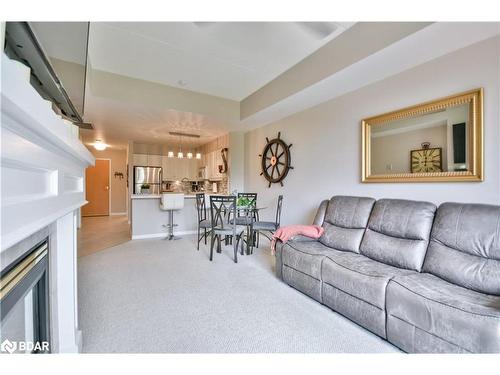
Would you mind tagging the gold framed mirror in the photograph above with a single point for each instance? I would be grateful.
(437, 141)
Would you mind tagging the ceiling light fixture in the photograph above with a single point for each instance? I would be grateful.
(180, 155)
(99, 146)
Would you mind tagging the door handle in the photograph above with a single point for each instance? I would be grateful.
(107, 187)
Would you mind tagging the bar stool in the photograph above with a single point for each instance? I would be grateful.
(171, 202)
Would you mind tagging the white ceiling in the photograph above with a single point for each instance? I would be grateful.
(226, 59)
(116, 122)
(63, 40)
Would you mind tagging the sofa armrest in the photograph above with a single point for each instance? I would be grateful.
(301, 238)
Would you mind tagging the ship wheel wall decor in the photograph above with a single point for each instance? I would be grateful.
(275, 160)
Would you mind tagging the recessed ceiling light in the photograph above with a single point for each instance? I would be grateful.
(99, 146)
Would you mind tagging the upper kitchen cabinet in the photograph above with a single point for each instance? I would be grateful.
(154, 160)
(212, 161)
(167, 168)
(212, 157)
(145, 160)
(140, 160)
(192, 167)
(176, 169)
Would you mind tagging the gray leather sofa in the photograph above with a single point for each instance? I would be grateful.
(425, 279)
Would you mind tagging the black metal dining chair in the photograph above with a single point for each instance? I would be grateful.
(263, 227)
(203, 222)
(220, 206)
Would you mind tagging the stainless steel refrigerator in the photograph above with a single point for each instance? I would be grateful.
(147, 175)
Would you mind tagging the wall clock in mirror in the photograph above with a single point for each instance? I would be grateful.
(427, 159)
(275, 160)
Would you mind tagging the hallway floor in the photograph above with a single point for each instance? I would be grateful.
(101, 232)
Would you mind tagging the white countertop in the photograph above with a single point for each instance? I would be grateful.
(157, 196)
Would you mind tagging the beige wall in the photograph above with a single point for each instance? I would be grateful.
(118, 200)
(326, 139)
(391, 153)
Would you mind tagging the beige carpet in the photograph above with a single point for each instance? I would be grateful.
(163, 296)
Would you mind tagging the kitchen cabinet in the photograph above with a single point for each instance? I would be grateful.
(167, 168)
(154, 160)
(194, 165)
(145, 160)
(140, 160)
(218, 161)
(212, 161)
(176, 169)
(182, 169)
(173, 169)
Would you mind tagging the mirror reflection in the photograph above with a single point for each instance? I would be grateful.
(432, 142)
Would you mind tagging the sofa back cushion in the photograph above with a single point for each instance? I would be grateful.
(345, 222)
(465, 246)
(398, 232)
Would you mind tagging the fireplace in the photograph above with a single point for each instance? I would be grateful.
(24, 303)
(42, 168)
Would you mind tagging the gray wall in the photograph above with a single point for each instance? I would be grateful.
(326, 139)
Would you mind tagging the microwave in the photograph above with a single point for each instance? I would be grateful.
(202, 173)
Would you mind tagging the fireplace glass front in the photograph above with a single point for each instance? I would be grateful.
(24, 309)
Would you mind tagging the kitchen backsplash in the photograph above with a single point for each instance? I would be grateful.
(187, 187)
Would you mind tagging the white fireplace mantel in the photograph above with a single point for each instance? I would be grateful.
(42, 186)
(42, 159)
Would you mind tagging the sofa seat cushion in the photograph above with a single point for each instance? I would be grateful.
(305, 256)
(359, 276)
(264, 225)
(354, 286)
(301, 266)
(463, 318)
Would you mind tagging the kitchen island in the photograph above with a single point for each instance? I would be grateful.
(148, 220)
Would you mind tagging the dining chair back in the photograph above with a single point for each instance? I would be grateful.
(201, 207)
(220, 207)
(263, 227)
(203, 223)
(278, 211)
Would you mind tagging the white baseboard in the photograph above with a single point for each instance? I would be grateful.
(79, 340)
(117, 213)
(161, 235)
